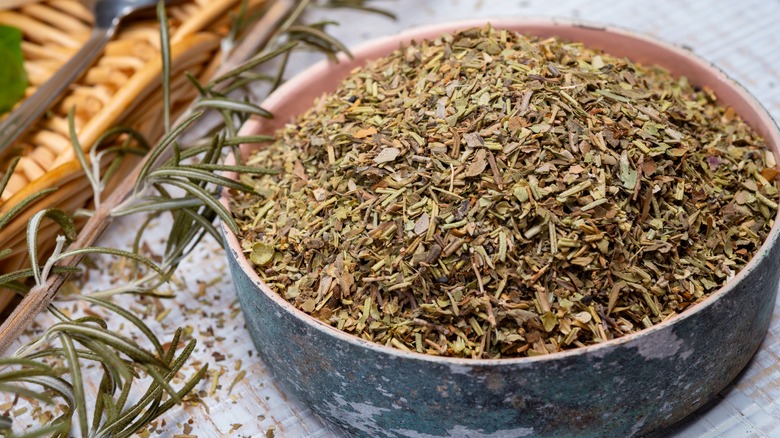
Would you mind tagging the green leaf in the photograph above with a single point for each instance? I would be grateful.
(77, 382)
(234, 106)
(46, 431)
(155, 153)
(193, 174)
(9, 388)
(158, 204)
(119, 369)
(153, 395)
(110, 407)
(254, 62)
(26, 202)
(102, 400)
(192, 382)
(13, 78)
(204, 223)
(132, 318)
(170, 355)
(194, 81)
(8, 173)
(115, 340)
(236, 141)
(249, 78)
(56, 384)
(82, 354)
(627, 175)
(209, 200)
(94, 180)
(262, 253)
(112, 251)
(62, 219)
(165, 51)
(20, 373)
(7, 279)
(238, 169)
(319, 39)
(360, 6)
(5, 361)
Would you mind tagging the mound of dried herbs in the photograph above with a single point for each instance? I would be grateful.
(492, 195)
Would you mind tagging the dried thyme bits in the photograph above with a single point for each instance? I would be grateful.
(492, 195)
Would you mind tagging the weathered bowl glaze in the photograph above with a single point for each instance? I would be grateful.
(624, 387)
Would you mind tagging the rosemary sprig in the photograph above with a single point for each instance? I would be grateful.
(181, 180)
(88, 340)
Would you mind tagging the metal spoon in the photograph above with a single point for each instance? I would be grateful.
(108, 15)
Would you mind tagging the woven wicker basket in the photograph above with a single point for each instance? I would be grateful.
(123, 87)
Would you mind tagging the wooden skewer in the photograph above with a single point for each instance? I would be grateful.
(13, 4)
(36, 77)
(48, 65)
(106, 75)
(58, 125)
(58, 19)
(73, 8)
(54, 141)
(36, 31)
(211, 11)
(35, 51)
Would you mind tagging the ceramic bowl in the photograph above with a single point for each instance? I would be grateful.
(624, 387)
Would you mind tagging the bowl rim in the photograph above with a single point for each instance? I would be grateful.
(771, 138)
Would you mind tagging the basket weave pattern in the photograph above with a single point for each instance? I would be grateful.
(122, 88)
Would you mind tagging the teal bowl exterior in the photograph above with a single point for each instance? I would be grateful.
(625, 387)
(617, 390)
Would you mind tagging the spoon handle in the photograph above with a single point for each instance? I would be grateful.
(33, 107)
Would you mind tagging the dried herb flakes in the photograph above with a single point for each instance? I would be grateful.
(489, 195)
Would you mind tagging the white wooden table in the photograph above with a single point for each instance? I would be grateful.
(741, 37)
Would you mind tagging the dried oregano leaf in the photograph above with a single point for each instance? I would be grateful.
(488, 195)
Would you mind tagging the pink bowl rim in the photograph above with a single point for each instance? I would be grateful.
(594, 350)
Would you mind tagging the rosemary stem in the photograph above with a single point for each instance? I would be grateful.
(39, 297)
(52, 260)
